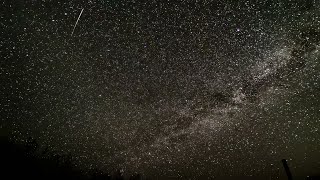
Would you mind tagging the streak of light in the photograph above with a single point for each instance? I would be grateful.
(74, 27)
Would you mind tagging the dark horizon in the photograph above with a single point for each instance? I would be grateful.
(28, 160)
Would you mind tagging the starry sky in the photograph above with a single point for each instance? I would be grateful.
(166, 88)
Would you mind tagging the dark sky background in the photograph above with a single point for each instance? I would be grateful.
(166, 88)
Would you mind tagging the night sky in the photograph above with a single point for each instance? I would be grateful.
(166, 88)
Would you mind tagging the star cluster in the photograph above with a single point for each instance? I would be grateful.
(166, 88)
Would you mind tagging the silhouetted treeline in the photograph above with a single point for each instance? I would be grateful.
(26, 161)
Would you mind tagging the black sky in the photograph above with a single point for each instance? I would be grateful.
(171, 88)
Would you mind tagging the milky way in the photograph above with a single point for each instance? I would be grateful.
(166, 89)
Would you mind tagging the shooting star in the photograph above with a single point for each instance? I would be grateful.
(74, 27)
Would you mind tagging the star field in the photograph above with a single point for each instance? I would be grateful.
(182, 89)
